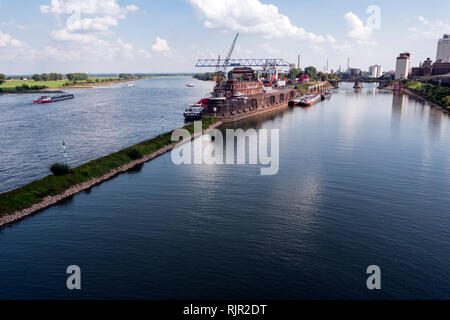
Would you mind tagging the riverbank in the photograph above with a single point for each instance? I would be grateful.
(435, 105)
(436, 95)
(28, 86)
(38, 195)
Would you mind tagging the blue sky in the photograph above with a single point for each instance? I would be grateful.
(168, 36)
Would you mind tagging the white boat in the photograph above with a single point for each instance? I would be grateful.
(130, 85)
(311, 99)
(194, 112)
(295, 101)
(190, 85)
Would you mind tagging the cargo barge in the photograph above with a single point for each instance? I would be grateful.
(47, 99)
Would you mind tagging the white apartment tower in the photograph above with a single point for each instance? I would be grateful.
(402, 66)
(375, 71)
(443, 49)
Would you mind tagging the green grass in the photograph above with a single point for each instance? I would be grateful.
(51, 185)
(9, 86)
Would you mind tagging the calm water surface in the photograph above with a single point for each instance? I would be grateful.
(364, 179)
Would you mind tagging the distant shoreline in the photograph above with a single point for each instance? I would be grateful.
(61, 89)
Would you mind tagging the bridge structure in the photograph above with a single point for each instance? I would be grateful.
(382, 83)
(265, 63)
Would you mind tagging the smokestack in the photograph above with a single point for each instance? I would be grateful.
(298, 65)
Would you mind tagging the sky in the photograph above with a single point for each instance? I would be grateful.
(155, 36)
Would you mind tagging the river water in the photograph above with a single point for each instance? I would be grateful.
(363, 180)
(97, 122)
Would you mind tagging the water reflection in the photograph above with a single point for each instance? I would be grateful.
(398, 109)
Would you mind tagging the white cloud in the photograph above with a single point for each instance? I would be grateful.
(6, 40)
(87, 18)
(250, 16)
(160, 45)
(93, 24)
(357, 30)
(331, 39)
(145, 53)
(90, 7)
(65, 35)
(429, 29)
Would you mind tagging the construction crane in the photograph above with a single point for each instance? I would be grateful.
(227, 59)
(220, 73)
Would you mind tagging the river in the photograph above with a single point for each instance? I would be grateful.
(363, 180)
(97, 122)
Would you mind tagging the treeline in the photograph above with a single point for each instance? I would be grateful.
(126, 76)
(25, 87)
(208, 76)
(47, 77)
(313, 74)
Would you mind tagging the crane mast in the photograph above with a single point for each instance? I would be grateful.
(227, 59)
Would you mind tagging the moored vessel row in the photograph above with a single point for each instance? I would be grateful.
(310, 99)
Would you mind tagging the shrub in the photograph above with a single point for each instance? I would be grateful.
(59, 169)
(134, 154)
(19, 88)
(1, 90)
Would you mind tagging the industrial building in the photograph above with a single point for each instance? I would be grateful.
(402, 66)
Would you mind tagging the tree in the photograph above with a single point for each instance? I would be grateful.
(294, 73)
(44, 77)
(323, 76)
(2, 78)
(77, 76)
(36, 77)
(311, 72)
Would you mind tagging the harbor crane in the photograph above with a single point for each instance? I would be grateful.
(269, 65)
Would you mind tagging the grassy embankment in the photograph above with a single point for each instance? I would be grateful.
(304, 86)
(26, 196)
(431, 92)
(14, 86)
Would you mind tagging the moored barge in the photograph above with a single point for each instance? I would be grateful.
(243, 95)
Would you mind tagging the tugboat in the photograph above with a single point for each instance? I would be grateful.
(47, 99)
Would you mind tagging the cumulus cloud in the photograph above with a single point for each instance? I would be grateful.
(90, 7)
(160, 45)
(86, 18)
(6, 40)
(357, 30)
(250, 16)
